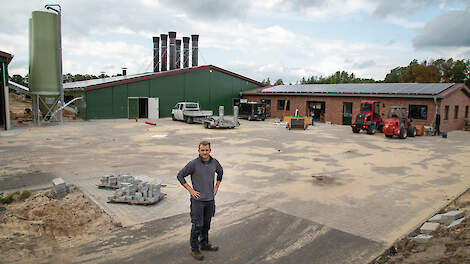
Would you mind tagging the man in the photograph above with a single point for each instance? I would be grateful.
(202, 171)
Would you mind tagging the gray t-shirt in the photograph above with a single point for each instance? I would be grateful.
(202, 176)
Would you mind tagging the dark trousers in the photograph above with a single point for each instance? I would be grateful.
(201, 216)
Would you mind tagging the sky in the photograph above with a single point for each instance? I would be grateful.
(287, 39)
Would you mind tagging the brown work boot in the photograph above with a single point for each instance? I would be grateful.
(197, 255)
(209, 247)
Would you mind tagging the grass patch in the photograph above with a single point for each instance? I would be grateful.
(14, 196)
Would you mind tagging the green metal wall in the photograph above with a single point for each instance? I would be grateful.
(209, 87)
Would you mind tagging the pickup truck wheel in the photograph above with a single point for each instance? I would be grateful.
(173, 117)
(355, 130)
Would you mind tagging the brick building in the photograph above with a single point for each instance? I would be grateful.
(339, 103)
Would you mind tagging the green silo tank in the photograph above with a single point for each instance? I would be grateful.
(44, 68)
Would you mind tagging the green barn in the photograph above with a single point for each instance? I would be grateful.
(153, 95)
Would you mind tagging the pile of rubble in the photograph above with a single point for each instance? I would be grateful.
(449, 219)
(131, 189)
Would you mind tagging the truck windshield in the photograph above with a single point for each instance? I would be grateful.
(191, 106)
(366, 107)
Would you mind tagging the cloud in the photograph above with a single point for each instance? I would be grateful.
(385, 8)
(210, 9)
(448, 30)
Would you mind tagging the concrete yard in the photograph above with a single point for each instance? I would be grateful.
(324, 195)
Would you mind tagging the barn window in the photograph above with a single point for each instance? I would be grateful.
(418, 112)
(456, 112)
(466, 111)
(446, 113)
(282, 103)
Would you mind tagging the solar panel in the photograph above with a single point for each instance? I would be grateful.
(362, 88)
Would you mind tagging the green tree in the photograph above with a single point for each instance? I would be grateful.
(19, 80)
(278, 82)
(266, 82)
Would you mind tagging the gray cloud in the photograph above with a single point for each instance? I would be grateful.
(299, 5)
(211, 9)
(400, 8)
(449, 29)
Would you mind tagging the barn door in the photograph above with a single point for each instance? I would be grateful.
(132, 107)
(153, 108)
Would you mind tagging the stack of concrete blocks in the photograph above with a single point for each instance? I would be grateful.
(450, 219)
(137, 191)
(111, 180)
(59, 187)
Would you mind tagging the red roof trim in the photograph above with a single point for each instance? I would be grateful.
(168, 73)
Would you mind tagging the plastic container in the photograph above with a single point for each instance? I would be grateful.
(419, 130)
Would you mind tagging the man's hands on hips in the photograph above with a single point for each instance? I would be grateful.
(194, 194)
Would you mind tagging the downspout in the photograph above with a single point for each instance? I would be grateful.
(435, 112)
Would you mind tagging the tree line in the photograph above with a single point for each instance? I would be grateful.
(17, 78)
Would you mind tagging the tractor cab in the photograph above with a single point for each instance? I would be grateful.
(398, 123)
(368, 118)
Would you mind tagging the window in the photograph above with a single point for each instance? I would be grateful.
(446, 113)
(418, 112)
(282, 103)
(456, 112)
(466, 111)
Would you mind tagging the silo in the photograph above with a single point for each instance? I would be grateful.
(44, 68)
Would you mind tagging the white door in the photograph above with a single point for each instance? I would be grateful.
(153, 108)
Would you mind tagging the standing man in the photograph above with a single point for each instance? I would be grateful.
(202, 170)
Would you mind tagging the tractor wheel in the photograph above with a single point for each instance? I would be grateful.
(173, 117)
(389, 136)
(403, 133)
(355, 130)
(412, 131)
(371, 130)
(381, 128)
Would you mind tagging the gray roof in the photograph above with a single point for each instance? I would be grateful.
(18, 87)
(363, 88)
(81, 84)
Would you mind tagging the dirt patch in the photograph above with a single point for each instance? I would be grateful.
(324, 180)
(41, 226)
(448, 245)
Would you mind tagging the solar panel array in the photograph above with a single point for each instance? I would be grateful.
(363, 88)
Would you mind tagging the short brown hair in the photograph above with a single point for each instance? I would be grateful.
(204, 143)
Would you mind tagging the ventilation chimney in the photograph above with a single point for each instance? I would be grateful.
(172, 36)
(124, 71)
(185, 52)
(178, 53)
(194, 40)
(163, 61)
(156, 54)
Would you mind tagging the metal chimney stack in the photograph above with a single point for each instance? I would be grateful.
(124, 71)
(178, 53)
(156, 54)
(163, 38)
(172, 36)
(185, 52)
(194, 40)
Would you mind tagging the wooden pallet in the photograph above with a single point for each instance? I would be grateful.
(102, 186)
(135, 202)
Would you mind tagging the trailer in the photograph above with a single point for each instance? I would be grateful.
(220, 122)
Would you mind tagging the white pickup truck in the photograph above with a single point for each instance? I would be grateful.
(189, 112)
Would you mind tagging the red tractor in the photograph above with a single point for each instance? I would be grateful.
(398, 123)
(368, 118)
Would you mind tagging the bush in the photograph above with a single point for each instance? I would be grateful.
(25, 195)
(9, 198)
